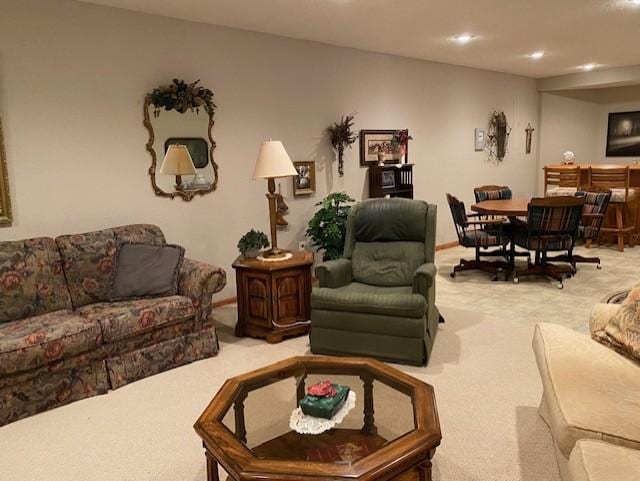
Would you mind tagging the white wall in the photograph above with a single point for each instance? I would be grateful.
(72, 82)
(577, 120)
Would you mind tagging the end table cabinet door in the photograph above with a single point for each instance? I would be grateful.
(290, 302)
(257, 298)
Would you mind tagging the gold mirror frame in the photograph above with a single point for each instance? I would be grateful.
(186, 195)
(5, 201)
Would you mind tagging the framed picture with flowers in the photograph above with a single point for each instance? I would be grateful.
(383, 146)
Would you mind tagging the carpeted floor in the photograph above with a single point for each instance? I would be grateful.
(482, 368)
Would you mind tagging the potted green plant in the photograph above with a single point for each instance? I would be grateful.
(327, 227)
(252, 242)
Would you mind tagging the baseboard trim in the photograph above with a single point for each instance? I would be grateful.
(225, 302)
(447, 245)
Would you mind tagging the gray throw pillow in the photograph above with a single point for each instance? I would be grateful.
(146, 270)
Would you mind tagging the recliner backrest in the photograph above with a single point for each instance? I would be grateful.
(388, 239)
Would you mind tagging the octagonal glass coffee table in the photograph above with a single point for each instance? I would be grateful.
(392, 432)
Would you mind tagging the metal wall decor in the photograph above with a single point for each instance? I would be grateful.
(528, 132)
(169, 104)
(5, 201)
(498, 136)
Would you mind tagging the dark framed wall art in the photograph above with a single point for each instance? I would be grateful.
(375, 143)
(623, 134)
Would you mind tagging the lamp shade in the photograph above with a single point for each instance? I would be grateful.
(177, 161)
(273, 161)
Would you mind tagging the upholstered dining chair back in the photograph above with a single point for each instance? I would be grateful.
(388, 239)
(459, 214)
(492, 192)
(615, 178)
(596, 202)
(554, 220)
(561, 177)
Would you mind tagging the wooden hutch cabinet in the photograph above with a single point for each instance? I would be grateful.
(274, 298)
(391, 180)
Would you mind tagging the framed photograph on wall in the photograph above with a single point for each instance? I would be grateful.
(374, 142)
(305, 182)
(623, 134)
(197, 147)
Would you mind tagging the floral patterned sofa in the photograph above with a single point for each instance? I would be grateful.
(60, 338)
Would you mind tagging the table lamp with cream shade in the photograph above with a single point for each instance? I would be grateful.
(273, 162)
(177, 161)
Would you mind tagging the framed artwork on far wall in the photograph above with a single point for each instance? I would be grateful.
(305, 182)
(623, 134)
(374, 142)
(198, 149)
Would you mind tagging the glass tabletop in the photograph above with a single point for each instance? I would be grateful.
(260, 413)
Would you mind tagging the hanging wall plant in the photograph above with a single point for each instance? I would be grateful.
(341, 135)
(181, 96)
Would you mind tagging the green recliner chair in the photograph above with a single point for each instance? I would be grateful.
(379, 299)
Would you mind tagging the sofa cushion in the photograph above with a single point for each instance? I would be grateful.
(601, 461)
(146, 270)
(89, 262)
(386, 263)
(31, 279)
(590, 391)
(37, 341)
(89, 259)
(120, 320)
(622, 331)
(357, 297)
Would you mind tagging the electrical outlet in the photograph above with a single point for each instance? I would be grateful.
(302, 245)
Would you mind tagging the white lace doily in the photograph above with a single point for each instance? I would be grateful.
(287, 255)
(303, 424)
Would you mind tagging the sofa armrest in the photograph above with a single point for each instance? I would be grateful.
(200, 281)
(424, 278)
(335, 273)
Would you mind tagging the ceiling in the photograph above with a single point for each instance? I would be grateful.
(571, 32)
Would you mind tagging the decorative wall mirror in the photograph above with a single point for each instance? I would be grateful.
(179, 118)
(5, 201)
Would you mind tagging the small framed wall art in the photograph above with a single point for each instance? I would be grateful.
(623, 134)
(305, 182)
(380, 145)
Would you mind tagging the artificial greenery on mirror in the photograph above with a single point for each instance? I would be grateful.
(327, 227)
(181, 96)
(341, 136)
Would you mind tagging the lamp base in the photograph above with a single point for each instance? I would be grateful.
(275, 254)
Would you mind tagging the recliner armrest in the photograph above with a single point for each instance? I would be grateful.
(424, 278)
(335, 273)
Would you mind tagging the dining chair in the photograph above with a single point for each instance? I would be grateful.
(552, 226)
(596, 202)
(492, 192)
(561, 180)
(617, 179)
(479, 234)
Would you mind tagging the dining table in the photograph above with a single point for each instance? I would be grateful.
(511, 209)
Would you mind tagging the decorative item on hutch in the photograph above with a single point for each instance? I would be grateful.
(341, 136)
(498, 136)
(568, 158)
(380, 147)
(401, 138)
(176, 120)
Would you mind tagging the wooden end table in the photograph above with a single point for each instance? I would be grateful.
(245, 429)
(274, 298)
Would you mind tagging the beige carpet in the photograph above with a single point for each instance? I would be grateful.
(482, 368)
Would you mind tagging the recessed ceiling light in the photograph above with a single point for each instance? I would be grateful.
(463, 38)
(537, 55)
(588, 66)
